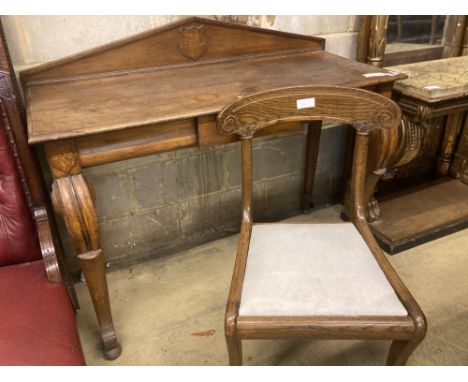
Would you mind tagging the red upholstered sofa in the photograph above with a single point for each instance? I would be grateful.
(37, 318)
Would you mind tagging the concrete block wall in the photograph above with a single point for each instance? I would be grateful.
(154, 205)
(162, 202)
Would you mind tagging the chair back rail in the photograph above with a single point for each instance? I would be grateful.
(369, 113)
(364, 110)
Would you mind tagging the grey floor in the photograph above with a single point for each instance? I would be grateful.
(170, 311)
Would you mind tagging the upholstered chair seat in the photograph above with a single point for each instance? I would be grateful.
(314, 270)
(37, 320)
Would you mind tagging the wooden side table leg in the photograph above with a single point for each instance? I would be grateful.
(73, 200)
(92, 264)
(314, 130)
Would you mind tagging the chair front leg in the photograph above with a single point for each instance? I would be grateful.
(234, 344)
(400, 351)
(234, 347)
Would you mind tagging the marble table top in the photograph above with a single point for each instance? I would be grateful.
(435, 80)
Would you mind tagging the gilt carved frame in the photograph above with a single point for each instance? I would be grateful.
(372, 38)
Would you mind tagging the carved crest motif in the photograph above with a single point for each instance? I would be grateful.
(231, 125)
(194, 41)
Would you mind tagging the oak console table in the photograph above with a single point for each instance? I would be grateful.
(160, 91)
(425, 195)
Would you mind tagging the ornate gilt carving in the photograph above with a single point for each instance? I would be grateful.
(424, 113)
(377, 40)
(411, 139)
(418, 148)
(193, 41)
(421, 112)
(461, 169)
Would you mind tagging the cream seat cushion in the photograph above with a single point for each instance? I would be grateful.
(314, 270)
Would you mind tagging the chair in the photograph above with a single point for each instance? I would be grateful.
(327, 281)
(37, 318)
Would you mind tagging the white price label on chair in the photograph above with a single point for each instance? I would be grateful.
(305, 103)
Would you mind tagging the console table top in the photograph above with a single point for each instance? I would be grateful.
(184, 70)
(434, 81)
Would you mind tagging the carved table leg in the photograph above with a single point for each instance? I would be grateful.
(73, 200)
(312, 148)
(459, 167)
(92, 264)
(452, 128)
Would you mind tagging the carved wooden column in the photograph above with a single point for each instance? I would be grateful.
(73, 199)
(377, 40)
(452, 128)
(459, 167)
(456, 29)
(372, 39)
(464, 50)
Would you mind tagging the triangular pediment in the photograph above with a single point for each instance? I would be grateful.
(187, 41)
